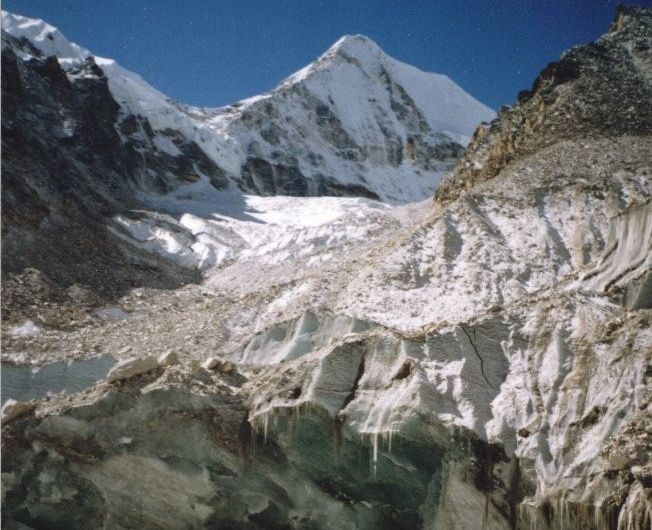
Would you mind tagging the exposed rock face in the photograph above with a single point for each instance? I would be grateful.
(481, 363)
(595, 90)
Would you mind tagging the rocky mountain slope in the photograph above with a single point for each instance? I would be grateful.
(483, 361)
(593, 90)
(71, 160)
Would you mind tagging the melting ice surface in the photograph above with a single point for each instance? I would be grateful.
(116, 313)
(28, 382)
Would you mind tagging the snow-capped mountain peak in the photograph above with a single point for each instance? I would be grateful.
(352, 41)
(353, 122)
(348, 48)
(447, 108)
(358, 46)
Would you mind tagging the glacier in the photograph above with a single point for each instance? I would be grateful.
(384, 359)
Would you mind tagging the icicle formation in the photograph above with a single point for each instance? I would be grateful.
(563, 514)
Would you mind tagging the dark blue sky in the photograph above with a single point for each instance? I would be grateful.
(215, 52)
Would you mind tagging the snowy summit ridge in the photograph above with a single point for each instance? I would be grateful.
(452, 111)
(45, 37)
(353, 122)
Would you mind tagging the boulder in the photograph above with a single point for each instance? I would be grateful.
(227, 367)
(168, 358)
(131, 367)
(13, 409)
(216, 364)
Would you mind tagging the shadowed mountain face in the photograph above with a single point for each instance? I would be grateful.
(72, 160)
(480, 361)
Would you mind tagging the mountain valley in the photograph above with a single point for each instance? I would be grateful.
(361, 300)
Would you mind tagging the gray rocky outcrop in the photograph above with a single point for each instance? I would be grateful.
(602, 89)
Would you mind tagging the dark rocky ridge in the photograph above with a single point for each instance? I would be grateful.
(601, 89)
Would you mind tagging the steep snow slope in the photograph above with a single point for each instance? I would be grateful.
(356, 60)
(72, 158)
(46, 38)
(355, 122)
